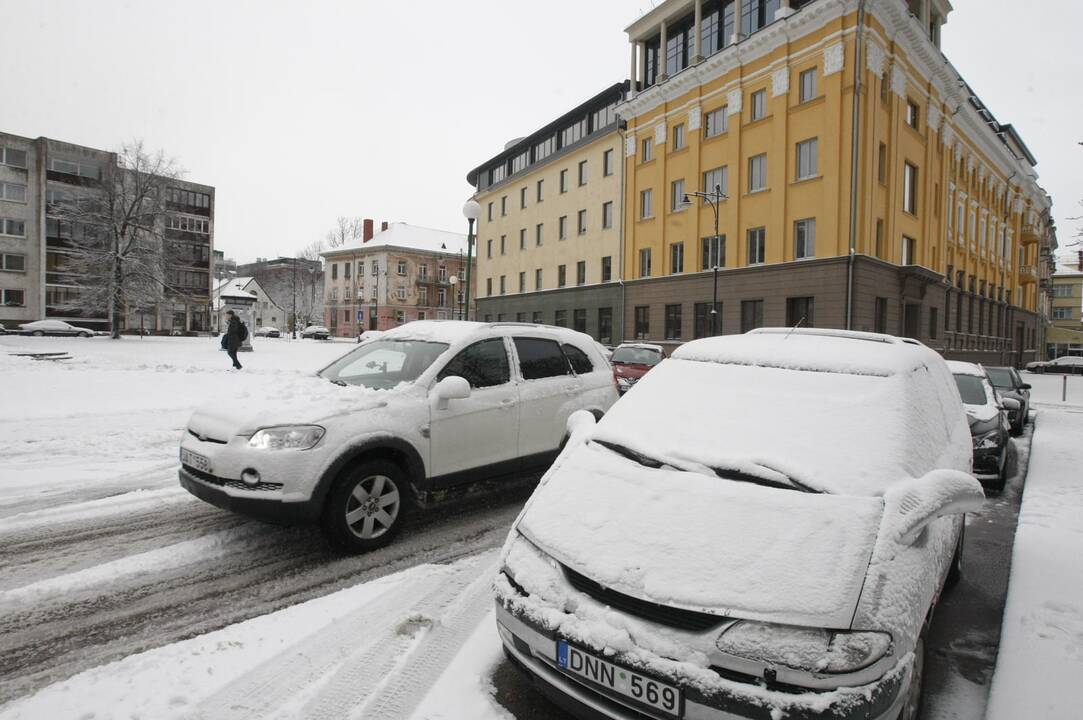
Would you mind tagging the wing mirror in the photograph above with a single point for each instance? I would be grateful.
(579, 426)
(452, 387)
(1025, 386)
(911, 505)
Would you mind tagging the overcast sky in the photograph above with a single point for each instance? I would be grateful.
(303, 111)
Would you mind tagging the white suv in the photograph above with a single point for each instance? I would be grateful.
(425, 407)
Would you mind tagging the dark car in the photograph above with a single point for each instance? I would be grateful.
(1066, 364)
(631, 361)
(316, 332)
(1009, 384)
(988, 418)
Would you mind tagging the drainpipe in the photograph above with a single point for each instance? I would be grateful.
(855, 146)
(623, 211)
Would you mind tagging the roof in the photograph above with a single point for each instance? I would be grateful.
(408, 237)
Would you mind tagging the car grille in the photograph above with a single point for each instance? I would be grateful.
(662, 614)
(226, 482)
(205, 438)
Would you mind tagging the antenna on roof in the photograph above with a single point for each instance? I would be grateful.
(799, 323)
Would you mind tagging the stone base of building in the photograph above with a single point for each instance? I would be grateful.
(593, 309)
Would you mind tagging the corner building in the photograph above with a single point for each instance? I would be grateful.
(865, 185)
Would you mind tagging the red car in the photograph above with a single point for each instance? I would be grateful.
(632, 361)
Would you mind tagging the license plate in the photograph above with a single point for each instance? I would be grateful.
(619, 680)
(195, 460)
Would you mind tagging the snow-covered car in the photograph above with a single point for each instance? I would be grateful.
(762, 529)
(369, 335)
(54, 327)
(987, 414)
(428, 406)
(631, 361)
(1009, 384)
(316, 332)
(268, 331)
(1065, 364)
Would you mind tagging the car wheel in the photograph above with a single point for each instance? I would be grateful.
(911, 709)
(955, 572)
(38, 333)
(365, 508)
(83, 334)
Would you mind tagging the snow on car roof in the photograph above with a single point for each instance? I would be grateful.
(645, 346)
(958, 367)
(445, 331)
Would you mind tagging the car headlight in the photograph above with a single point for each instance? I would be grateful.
(287, 437)
(626, 382)
(808, 649)
(986, 441)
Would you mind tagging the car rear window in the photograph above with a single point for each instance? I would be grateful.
(971, 389)
(1001, 377)
(579, 360)
(540, 358)
(636, 356)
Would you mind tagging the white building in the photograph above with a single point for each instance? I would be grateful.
(264, 312)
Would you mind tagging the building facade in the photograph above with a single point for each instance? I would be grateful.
(264, 311)
(35, 283)
(549, 235)
(387, 278)
(858, 181)
(293, 284)
(1065, 333)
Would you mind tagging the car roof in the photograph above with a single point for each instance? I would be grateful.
(642, 346)
(453, 332)
(958, 367)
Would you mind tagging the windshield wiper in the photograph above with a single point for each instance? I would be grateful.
(631, 454)
(743, 476)
(337, 382)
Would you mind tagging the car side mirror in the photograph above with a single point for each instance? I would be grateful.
(1025, 386)
(910, 506)
(452, 387)
(1010, 404)
(579, 427)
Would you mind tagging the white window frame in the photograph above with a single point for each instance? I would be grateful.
(808, 159)
(757, 173)
(804, 248)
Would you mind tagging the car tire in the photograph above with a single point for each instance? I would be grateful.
(365, 508)
(38, 333)
(955, 572)
(84, 335)
(911, 709)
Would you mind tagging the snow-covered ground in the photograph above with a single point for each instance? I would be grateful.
(1041, 651)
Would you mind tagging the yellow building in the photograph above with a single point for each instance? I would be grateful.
(863, 184)
(1065, 336)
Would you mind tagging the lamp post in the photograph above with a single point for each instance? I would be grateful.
(454, 280)
(712, 198)
(471, 211)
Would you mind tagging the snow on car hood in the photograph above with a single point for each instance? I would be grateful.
(294, 401)
(704, 543)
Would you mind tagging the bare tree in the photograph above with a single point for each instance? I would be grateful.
(345, 230)
(119, 258)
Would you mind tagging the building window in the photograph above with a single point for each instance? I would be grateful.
(13, 192)
(538, 279)
(879, 238)
(562, 228)
(503, 206)
(676, 258)
(422, 295)
(907, 250)
(808, 161)
(881, 164)
(717, 122)
(910, 189)
(912, 113)
(400, 293)
(645, 262)
(880, 315)
(581, 272)
(581, 222)
(804, 238)
(757, 241)
(607, 215)
(932, 323)
(751, 315)
(12, 298)
(522, 198)
(490, 213)
(488, 286)
(799, 312)
(579, 320)
(607, 163)
(717, 180)
(1062, 313)
(714, 252)
(757, 173)
(678, 136)
(522, 281)
(642, 322)
(582, 172)
(648, 150)
(673, 322)
(645, 204)
(676, 196)
(607, 268)
(522, 238)
(758, 104)
(503, 284)
(560, 318)
(14, 158)
(489, 248)
(605, 325)
(562, 275)
(806, 85)
(536, 317)
(704, 322)
(541, 190)
(538, 234)
(13, 263)
(573, 133)
(334, 271)
(503, 244)
(520, 161)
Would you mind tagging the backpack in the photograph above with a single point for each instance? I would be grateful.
(242, 332)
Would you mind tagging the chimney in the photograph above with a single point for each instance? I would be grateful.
(383, 226)
(367, 231)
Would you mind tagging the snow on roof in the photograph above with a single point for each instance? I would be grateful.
(410, 237)
(234, 288)
(445, 331)
(959, 367)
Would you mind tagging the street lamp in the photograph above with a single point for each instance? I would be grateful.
(454, 280)
(471, 211)
(712, 198)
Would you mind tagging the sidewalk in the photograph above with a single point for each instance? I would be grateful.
(1040, 662)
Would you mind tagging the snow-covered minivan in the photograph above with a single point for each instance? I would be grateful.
(762, 529)
(424, 407)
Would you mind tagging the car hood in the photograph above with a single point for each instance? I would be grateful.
(699, 542)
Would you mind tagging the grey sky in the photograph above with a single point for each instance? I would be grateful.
(301, 112)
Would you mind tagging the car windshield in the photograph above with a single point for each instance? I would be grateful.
(383, 364)
(636, 356)
(971, 389)
(1001, 377)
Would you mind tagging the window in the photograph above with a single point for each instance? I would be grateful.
(334, 271)
(751, 315)
(579, 320)
(560, 318)
(717, 180)
(13, 263)
(607, 163)
(536, 317)
(673, 322)
(912, 113)
(503, 244)
(541, 190)
(488, 286)
(489, 248)
(756, 245)
(806, 85)
(522, 198)
(757, 173)
(1062, 291)
(607, 268)
(645, 204)
(13, 192)
(520, 161)
(879, 238)
(607, 215)
(932, 323)
(376, 267)
(540, 358)
(422, 295)
(14, 158)
(12, 227)
(645, 262)
(545, 148)
(562, 228)
(498, 173)
(503, 284)
(503, 206)
(907, 250)
(910, 189)
(441, 297)
(676, 258)
(881, 164)
(648, 150)
(573, 133)
(1062, 313)
(581, 222)
(808, 162)
(538, 234)
(483, 364)
(804, 238)
(758, 104)
(400, 293)
(13, 298)
(581, 272)
(642, 322)
(347, 267)
(678, 136)
(538, 279)
(703, 320)
(799, 311)
(522, 238)
(717, 122)
(489, 216)
(880, 315)
(562, 275)
(605, 325)
(582, 172)
(564, 181)
(714, 252)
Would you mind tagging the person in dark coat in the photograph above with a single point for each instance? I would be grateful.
(232, 340)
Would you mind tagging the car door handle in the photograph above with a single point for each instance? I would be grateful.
(507, 403)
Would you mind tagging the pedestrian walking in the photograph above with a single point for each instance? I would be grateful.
(234, 336)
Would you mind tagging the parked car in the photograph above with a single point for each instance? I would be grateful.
(369, 335)
(988, 418)
(762, 529)
(268, 331)
(1009, 384)
(1065, 364)
(316, 332)
(427, 406)
(631, 361)
(54, 327)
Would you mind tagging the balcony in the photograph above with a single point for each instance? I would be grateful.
(1028, 274)
(1030, 233)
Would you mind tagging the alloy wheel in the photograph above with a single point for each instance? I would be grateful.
(373, 507)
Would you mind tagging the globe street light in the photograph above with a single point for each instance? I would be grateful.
(712, 198)
(471, 211)
(454, 280)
